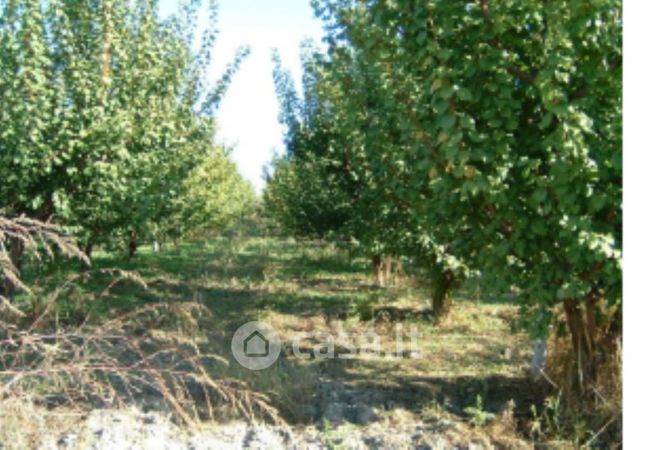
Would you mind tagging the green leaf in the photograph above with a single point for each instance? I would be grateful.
(447, 122)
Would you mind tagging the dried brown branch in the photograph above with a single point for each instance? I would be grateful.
(37, 238)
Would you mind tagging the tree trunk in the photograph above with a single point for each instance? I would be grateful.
(440, 299)
(581, 322)
(387, 262)
(376, 262)
(16, 250)
(539, 354)
(88, 251)
(133, 245)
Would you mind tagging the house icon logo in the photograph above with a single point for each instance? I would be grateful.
(256, 346)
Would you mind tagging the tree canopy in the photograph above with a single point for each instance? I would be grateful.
(481, 137)
(106, 111)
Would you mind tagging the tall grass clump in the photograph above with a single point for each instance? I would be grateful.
(146, 357)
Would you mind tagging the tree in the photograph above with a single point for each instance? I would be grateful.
(214, 195)
(308, 192)
(505, 120)
(106, 109)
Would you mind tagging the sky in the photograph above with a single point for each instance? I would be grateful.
(248, 115)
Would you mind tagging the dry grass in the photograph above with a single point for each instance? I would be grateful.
(127, 359)
(148, 356)
(24, 425)
(152, 344)
(590, 420)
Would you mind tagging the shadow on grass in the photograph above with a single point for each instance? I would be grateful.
(348, 384)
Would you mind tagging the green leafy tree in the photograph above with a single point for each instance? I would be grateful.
(106, 109)
(308, 191)
(214, 196)
(318, 187)
(504, 128)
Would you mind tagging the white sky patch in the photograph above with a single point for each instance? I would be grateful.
(248, 116)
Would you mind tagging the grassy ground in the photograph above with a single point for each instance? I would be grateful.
(469, 364)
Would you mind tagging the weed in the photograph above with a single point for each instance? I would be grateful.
(432, 411)
(334, 437)
(478, 416)
(548, 422)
